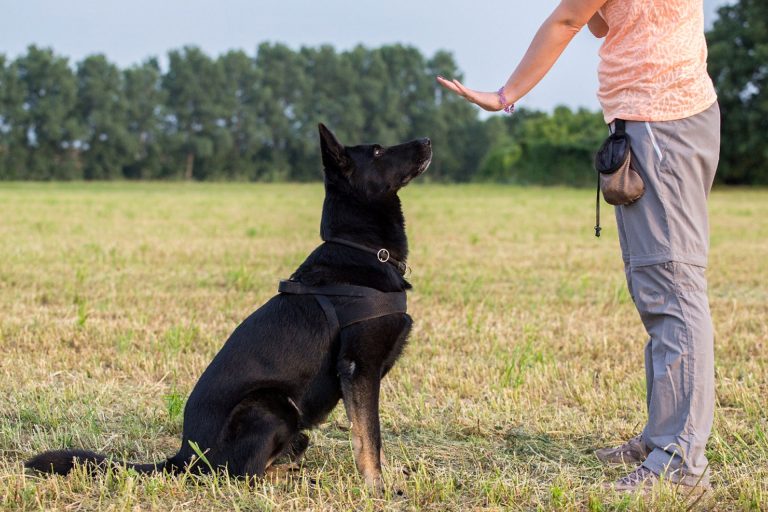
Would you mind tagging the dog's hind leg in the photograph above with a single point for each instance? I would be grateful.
(260, 429)
(296, 448)
(289, 460)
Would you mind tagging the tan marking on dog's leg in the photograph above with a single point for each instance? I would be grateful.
(361, 404)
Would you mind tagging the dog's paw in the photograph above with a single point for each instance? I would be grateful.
(283, 468)
(382, 458)
(375, 483)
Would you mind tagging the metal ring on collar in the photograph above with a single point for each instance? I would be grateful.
(383, 255)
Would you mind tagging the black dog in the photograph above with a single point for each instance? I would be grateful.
(333, 332)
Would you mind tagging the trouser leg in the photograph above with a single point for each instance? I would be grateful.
(665, 238)
(624, 245)
(672, 301)
(648, 374)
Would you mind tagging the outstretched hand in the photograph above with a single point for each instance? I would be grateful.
(486, 100)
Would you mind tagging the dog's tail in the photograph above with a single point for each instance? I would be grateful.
(62, 462)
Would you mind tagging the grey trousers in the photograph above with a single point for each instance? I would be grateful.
(664, 239)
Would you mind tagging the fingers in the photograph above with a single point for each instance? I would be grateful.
(485, 100)
(467, 93)
(448, 84)
(456, 86)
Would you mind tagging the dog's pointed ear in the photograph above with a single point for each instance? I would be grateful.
(333, 152)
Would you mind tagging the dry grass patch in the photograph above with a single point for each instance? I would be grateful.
(525, 357)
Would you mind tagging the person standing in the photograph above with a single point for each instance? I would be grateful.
(653, 75)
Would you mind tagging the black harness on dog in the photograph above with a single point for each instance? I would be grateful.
(347, 304)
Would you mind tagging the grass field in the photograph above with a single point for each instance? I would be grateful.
(526, 353)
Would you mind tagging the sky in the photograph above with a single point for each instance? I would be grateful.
(486, 38)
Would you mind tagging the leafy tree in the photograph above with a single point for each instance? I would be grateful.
(101, 109)
(376, 97)
(328, 95)
(459, 137)
(738, 64)
(333, 98)
(144, 108)
(282, 85)
(44, 127)
(13, 139)
(6, 103)
(194, 85)
(546, 149)
(409, 91)
(254, 118)
(240, 104)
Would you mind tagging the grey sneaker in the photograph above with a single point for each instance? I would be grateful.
(643, 479)
(633, 451)
(640, 480)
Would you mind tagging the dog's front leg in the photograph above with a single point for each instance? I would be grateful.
(360, 390)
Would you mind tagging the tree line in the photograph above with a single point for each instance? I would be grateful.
(254, 117)
(235, 116)
(242, 117)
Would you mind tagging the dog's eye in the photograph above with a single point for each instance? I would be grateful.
(378, 151)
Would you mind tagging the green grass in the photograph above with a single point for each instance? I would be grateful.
(526, 353)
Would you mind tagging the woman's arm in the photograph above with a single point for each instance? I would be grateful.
(549, 42)
(598, 26)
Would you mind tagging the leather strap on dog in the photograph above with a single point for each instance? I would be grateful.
(382, 254)
(353, 304)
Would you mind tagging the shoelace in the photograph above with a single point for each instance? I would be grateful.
(638, 476)
(627, 447)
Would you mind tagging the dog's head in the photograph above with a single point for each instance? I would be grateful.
(372, 172)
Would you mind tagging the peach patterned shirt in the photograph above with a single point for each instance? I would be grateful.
(653, 62)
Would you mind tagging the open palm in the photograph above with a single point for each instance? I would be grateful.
(486, 100)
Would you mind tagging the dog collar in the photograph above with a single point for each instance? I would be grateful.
(383, 255)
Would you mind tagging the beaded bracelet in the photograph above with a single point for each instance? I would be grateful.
(508, 108)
